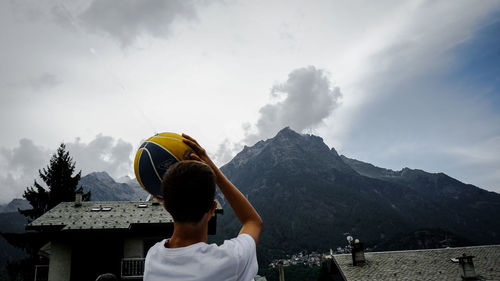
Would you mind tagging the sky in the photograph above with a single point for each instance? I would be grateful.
(393, 83)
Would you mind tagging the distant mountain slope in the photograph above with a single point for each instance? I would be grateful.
(422, 239)
(309, 196)
(369, 170)
(11, 222)
(14, 205)
(464, 208)
(436, 186)
(104, 188)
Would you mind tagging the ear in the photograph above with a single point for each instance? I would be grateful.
(161, 201)
(212, 209)
(158, 199)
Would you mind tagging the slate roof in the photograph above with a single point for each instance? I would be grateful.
(103, 215)
(433, 264)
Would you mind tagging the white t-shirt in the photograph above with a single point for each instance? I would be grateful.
(234, 260)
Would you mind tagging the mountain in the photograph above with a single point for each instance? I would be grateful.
(104, 188)
(432, 238)
(14, 205)
(309, 196)
(435, 186)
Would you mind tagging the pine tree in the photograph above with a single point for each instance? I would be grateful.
(62, 185)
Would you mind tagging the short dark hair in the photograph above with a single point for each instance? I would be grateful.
(188, 189)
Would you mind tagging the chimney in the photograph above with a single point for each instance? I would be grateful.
(78, 198)
(358, 253)
(466, 268)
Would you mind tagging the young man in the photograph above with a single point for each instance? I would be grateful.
(188, 190)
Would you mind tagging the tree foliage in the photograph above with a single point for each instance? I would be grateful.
(61, 185)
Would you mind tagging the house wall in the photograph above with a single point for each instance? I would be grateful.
(60, 261)
(133, 247)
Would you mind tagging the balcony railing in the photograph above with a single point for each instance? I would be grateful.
(41, 272)
(132, 268)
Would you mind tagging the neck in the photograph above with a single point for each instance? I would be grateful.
(186, 234)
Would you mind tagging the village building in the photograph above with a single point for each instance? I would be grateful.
(88, 239)
(451, 264)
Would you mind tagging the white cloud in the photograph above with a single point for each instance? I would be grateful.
(104, 153)
(307, 98)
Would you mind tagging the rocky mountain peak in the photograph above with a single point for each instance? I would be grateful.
(14, 205)
(291, 151)
(105, 188)
(101, 176)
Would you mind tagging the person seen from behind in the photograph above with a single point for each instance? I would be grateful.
(188, 189)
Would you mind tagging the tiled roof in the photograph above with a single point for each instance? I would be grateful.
(434, 264)
(103, 215)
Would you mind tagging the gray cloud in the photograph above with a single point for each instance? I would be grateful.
(20, 165)
(104, 153)
(226, 152)
(307, 98)
(127, 20)
(414, 113)
(25, 158)
(44, 81)
(304, 101)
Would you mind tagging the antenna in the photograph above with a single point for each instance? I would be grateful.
(349, 239)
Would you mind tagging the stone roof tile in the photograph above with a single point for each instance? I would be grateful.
(103, 215)
(433, 264)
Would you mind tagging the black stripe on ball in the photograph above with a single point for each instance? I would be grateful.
(162, 159)
(149, 178)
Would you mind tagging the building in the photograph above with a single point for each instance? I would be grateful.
(451, 264)
(91, 238)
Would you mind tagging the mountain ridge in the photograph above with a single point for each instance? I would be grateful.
(104, 188)
(308, 196)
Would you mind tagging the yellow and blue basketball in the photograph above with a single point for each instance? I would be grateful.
(154, 157)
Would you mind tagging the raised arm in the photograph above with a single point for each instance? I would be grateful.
(248, 216)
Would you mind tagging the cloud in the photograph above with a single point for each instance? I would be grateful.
(104, 153)
(19, 165)
(302, 102)
(127, 20)
(25, 158)
(44, 81)
(226, 151)
(306, 99)
(416, 108)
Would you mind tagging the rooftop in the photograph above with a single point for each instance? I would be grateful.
(432, 264)
(103, 215)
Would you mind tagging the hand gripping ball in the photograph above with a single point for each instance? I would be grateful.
(154, 157)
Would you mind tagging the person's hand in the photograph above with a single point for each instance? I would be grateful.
(200, 154)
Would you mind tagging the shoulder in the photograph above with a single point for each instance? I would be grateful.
(243, 242)
(238, 251)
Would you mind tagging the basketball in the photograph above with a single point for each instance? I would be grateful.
(154, 157)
